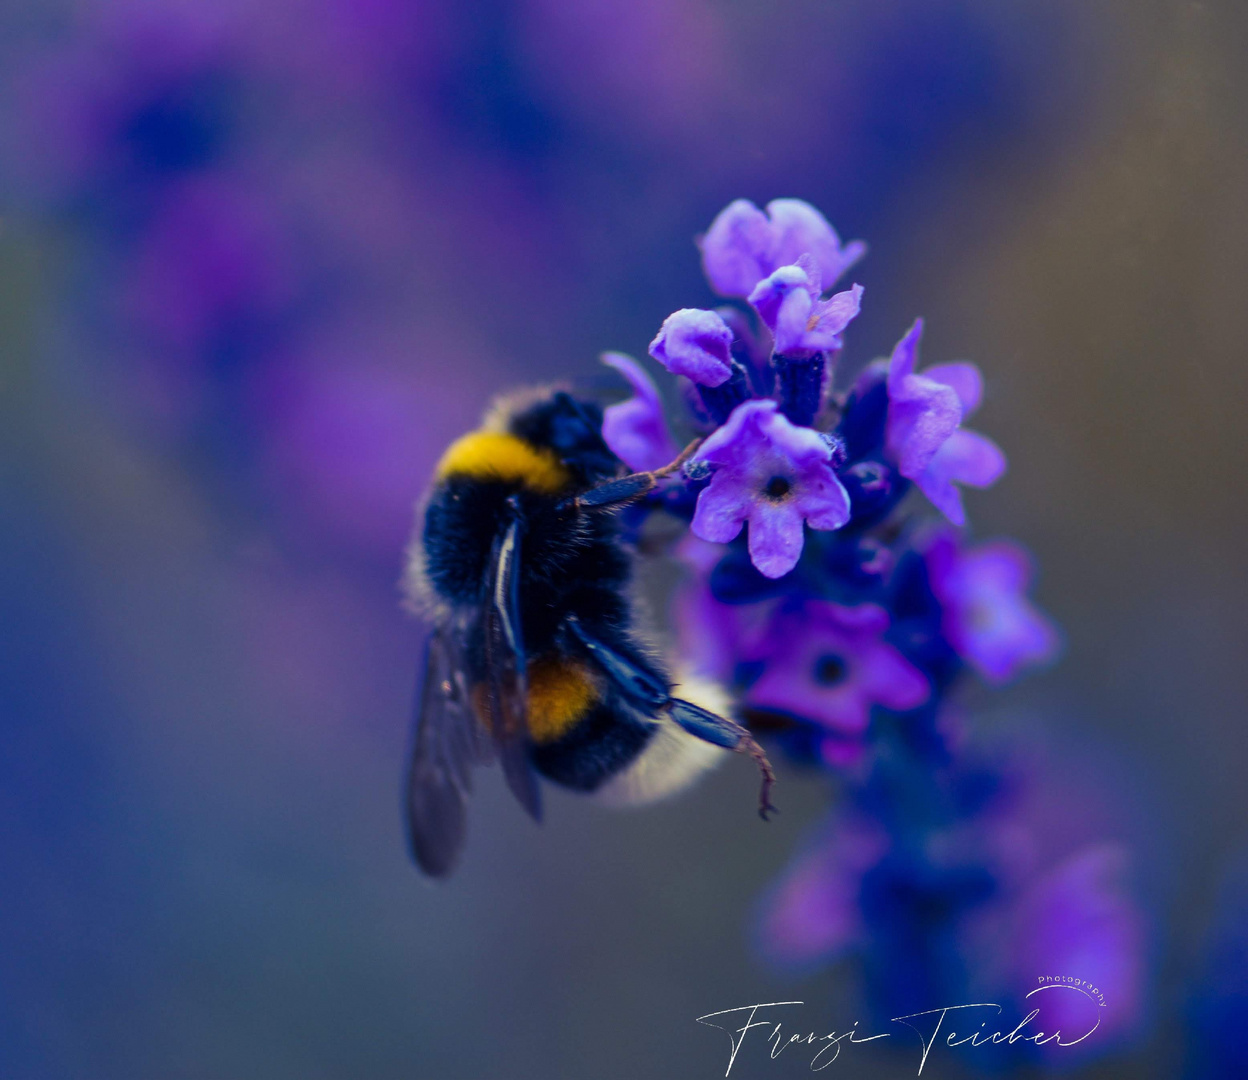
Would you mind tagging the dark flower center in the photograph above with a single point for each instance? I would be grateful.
(777, 488)
(830, 669)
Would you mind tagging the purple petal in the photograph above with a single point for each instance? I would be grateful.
(970, 458)
(987, 616)
(919, 424)
(812, 913)
(757, 428)
(775, 539)
(831, 318)
(965, 379)
(740, 437)
(1007, 641)
(735, 249)
(696, 344)
(891, 679)
(635, 430)
(745, 245)
(797, 228)
(803, 446)
(966, 457)
(905, 357)
(822, 499)
(791, 320)
(922, 413)
(784, 301)
(813, 274)
(944, 495)
(723, 505)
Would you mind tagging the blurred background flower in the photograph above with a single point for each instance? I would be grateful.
(258, 264)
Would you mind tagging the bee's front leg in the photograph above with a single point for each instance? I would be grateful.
(612, 494)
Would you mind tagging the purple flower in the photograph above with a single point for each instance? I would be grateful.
(828, 665)
(923, 433)
(1080, 919)
(987, 617)
(635, 429)
(814, 913)
(745, 245)
(788, 302)
(774, 475)
(696, 344)
(922, 413)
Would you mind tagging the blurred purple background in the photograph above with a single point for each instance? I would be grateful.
(259, 263)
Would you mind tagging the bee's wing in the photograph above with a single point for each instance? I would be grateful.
(506, 692)
(448, 742)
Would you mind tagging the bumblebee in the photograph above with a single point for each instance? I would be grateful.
(534, 660)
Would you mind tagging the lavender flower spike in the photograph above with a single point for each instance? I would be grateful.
(635, 430)
(923, 434)
(788, 302)
(745, 245)
(774, 475)
(696, 344)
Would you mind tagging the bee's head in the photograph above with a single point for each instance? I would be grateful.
(572, 428)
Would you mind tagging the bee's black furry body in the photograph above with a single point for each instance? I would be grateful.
(575, 563)
(533, 661)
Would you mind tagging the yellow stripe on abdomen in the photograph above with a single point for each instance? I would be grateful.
(501, 456)
(561, 694)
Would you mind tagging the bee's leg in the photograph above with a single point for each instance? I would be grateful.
(639, 686)
(716, 729)
(612, 494)
(649, 694)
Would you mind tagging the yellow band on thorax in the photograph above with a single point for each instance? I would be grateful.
(501, 456)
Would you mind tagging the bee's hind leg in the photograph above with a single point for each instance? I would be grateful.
(715, 729)
(648, 694)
